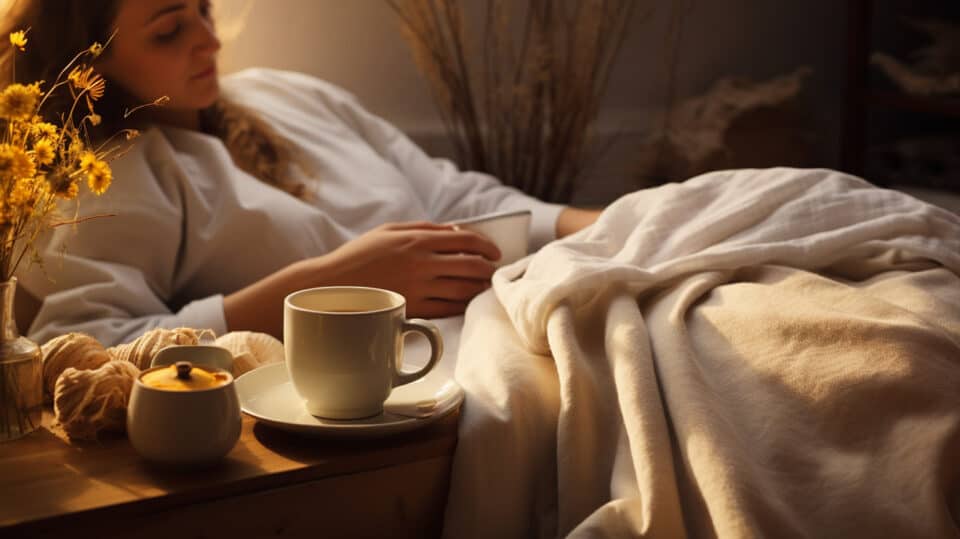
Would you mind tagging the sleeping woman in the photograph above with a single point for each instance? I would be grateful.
(243, 189)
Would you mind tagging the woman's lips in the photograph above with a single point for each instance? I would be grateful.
(205, 73)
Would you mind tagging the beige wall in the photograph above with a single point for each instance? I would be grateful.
(356, 44)
(353, 43)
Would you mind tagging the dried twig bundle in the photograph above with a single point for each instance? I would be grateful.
(518, 103)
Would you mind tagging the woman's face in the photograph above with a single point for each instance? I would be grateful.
(165, 48)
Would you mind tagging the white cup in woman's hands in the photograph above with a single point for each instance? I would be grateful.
(509, 231)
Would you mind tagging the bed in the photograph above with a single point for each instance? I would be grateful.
(749, 353)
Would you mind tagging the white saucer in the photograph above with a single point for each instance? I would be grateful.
(267, 395)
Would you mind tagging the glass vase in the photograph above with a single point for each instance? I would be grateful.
(21, 373)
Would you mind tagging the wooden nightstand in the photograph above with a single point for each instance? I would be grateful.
(272, 484)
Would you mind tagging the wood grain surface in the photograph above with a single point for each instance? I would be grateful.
(272, 484)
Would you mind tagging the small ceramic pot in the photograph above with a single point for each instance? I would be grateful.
(183, 422)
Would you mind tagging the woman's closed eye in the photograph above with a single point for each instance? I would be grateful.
(171, 32)
(169, 35)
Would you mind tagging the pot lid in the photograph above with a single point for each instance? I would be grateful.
(183, 376)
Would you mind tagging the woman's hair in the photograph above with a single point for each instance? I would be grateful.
(59, 29)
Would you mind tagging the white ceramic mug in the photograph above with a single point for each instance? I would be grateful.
(343, 347)
(509, 231)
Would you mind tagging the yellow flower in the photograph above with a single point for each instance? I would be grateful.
(44, 129)
(87, 162)
(19, 39)
(43, 151)
(98, 179)
(85, 79)
(23, 165)
(28, 196)
(44, 162)
(6, 160)
(15, 163)
(19, 101)
(76, 149)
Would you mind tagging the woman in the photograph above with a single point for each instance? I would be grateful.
(235, 196)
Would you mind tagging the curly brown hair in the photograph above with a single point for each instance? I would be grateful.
(59, 29)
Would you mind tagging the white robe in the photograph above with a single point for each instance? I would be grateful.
(190, 227)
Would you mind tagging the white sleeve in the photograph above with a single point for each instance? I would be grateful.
(112, 277)
(447, 192)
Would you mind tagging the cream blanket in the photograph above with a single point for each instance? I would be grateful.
(770, 353)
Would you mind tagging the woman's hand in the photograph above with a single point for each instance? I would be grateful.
(437, 268)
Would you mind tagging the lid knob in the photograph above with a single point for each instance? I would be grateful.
(183, 369)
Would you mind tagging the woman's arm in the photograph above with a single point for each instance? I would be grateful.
(436, 268)
(572, 220)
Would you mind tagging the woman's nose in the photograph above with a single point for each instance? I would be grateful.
(208, 40)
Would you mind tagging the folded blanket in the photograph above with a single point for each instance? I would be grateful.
(755, 352)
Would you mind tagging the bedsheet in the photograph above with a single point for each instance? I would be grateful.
(749, 353)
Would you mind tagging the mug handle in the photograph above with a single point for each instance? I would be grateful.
(432, 334)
